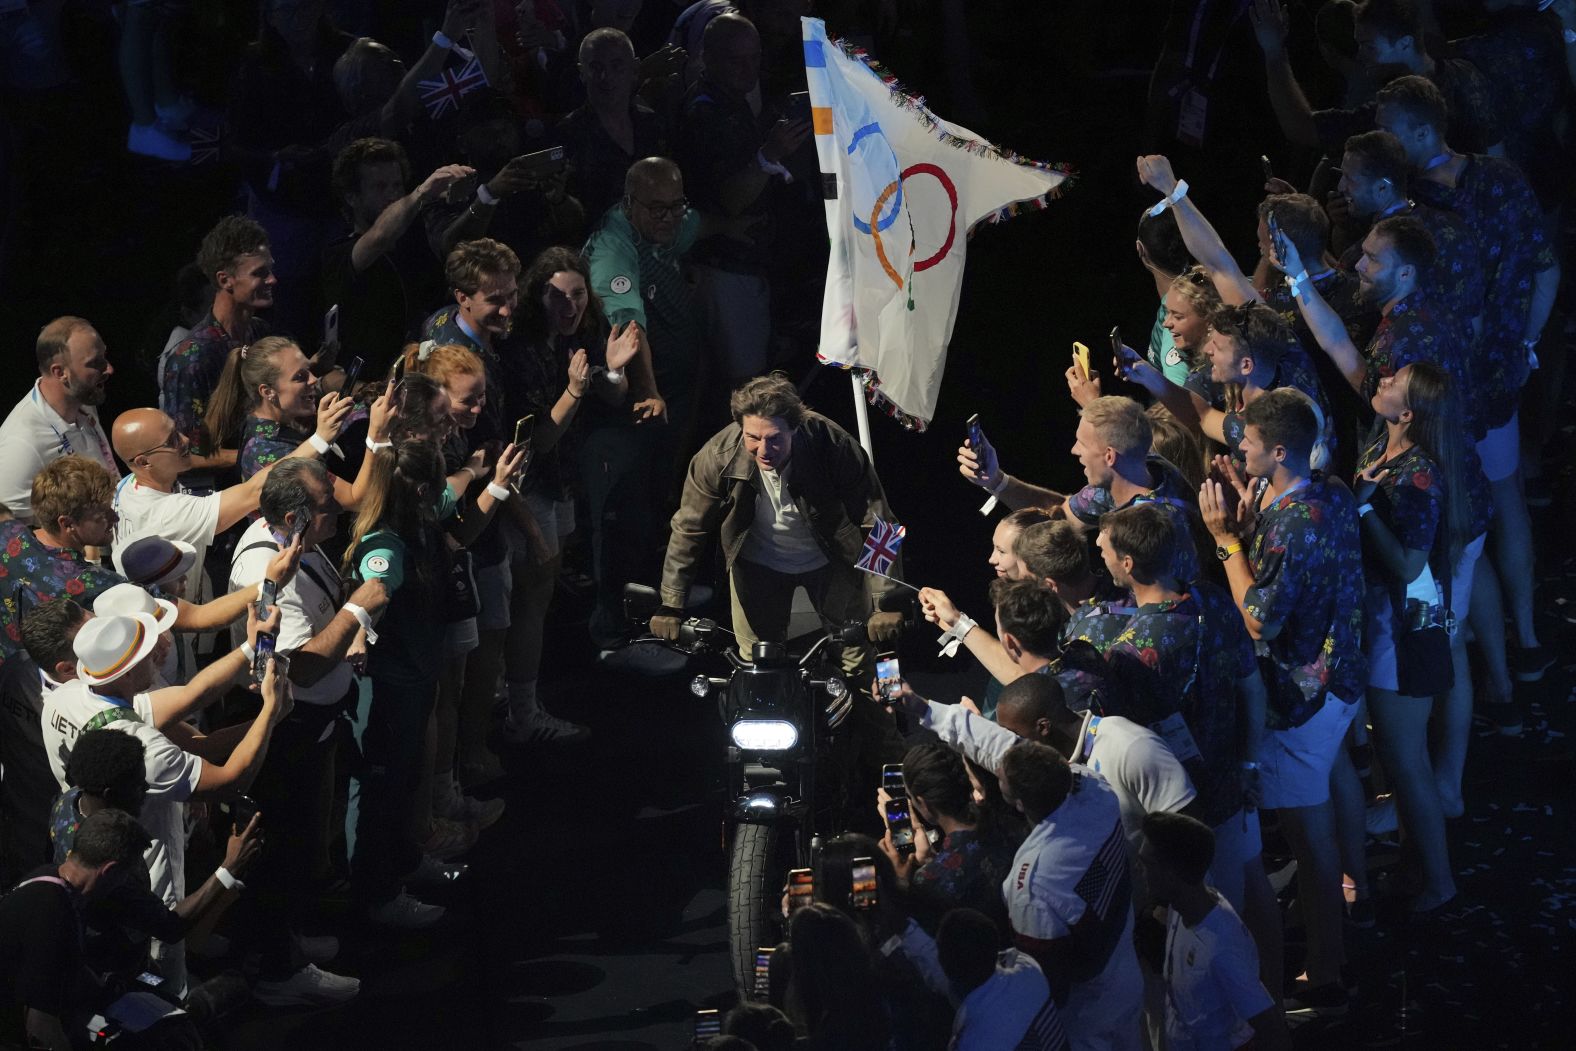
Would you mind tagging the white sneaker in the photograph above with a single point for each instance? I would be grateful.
(435, 872)
(310, 986)
(318, 948)
(538, 727)
(152, 141)
(406, 913)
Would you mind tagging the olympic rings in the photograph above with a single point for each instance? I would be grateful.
(875, 227)
(896, 187)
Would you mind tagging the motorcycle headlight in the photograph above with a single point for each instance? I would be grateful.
(765, 735)
(700, 686)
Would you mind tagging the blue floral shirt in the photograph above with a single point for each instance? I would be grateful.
(443, 327)
(1306, 555)
(32, 572)
(190, 373)
(1418, 329)
(1170, 491)
(264, 442)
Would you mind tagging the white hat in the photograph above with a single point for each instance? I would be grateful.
(125, 600)
(109, 647)
(152, 560)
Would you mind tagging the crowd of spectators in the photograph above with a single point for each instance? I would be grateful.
(455, 339)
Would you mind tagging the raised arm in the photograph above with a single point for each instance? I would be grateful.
(1271, 26)
(234, 776)
(1325, 324)
(1197, 233)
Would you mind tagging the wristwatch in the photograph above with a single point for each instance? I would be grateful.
(1225, 553)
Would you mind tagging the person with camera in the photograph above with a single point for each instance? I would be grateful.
(789, 495)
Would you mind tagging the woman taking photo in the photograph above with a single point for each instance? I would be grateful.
(1417, 520)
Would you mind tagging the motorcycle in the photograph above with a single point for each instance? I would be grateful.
(781, 713)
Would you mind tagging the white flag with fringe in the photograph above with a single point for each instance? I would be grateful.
(903, 189)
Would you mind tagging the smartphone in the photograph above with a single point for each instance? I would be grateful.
(708, 1023)
(900, 825)
(399, 369)
(352, 374)
(1122, 358)
(265, 640)
(242, 810)
(889, 677)
(1081, 359)
(150, 979)
(522, 429)
(864, 894)
(798, 106)
(763, 973)
(331, 326)
(892, 781)
(801, 888)
(1269, 169)
(543, 162)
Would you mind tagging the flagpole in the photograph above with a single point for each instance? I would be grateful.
(862, 414)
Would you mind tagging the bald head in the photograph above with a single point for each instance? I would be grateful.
(731, 53)
(725, 29)
(653, 176)
(54, 339)
(1033, 706)
(138, 430)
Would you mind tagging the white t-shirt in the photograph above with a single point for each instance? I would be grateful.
(172, 775)
(33, 436)
(1141, 770)
(1001, 1012)
(1073, 862)
(174, 516)
(780, 538)
(1212, 981)
(305, 608)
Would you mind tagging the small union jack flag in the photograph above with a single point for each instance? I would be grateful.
(881, 548)
(443, 94)
(205, 144)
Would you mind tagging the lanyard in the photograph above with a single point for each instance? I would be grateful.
(1437, 160)
(1276, 502)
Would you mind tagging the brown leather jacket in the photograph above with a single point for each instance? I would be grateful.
(833, 482)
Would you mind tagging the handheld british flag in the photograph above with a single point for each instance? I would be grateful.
(444, 94)
(881, 548)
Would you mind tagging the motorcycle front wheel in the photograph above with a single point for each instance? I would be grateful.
(757, 873)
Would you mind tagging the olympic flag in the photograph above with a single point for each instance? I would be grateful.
(903, 188)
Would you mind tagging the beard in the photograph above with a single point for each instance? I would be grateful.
(87, 393)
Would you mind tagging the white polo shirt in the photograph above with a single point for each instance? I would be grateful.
(1211, 976)
(305, 606)
(34, 435)
(174, 516)
(172, 774)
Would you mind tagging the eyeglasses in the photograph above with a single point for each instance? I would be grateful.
(660, 209)
(172, 444)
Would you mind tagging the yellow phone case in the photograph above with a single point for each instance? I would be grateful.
(1081, 358)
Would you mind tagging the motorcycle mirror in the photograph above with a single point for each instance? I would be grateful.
(640, 601)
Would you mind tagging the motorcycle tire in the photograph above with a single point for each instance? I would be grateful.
(755, 889)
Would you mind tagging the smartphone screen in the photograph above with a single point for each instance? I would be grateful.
(798, 106)
(901, 825)
(976, 432)
(708, 1024)
(150, 979)
(801, 888)
(763, 973)
(864, 879)
(889, 678)
(892, 780)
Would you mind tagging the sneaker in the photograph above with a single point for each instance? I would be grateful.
(308, 987)
(1381, 817)
(318, 948)
(434, 873)
(1307, 1003)
(1505, 715)
(1531, 662)
(406, 913)
(539, 727)
(152, 141)
(482, 813)
(449, 839)
(644, 657)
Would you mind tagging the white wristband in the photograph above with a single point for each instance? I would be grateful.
(486, 196)
(1000, 486)
(373, 446)
(498, 492)
(442, 40)
(1365, 510)
(364, 619)
(226, 877)
(1298, 284)
(318, 445)
(1166, 202)
(614, 375)
(771, 167)
(248, 652)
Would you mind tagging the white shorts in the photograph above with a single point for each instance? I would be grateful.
(1500, 450)
(1461, 581)
(1294, 765)
(461, 638)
